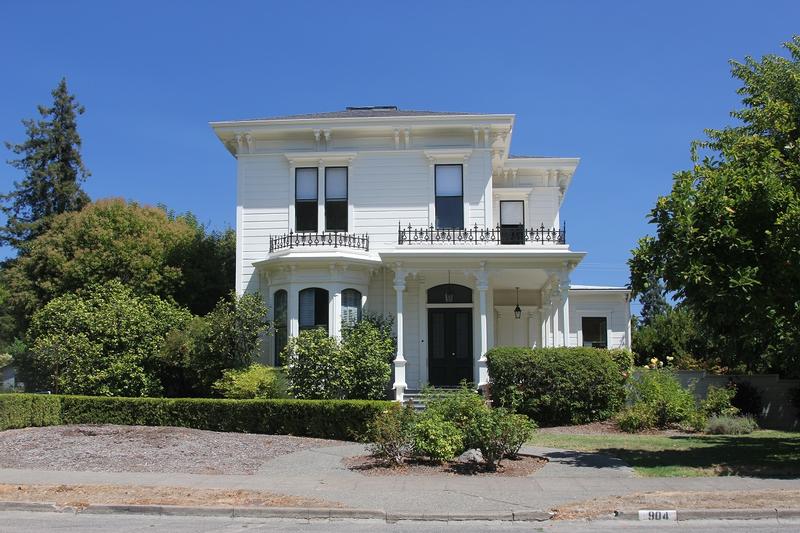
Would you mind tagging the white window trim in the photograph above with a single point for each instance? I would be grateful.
(321, 160)
(588, 313)
(447, 156)
(515, 193)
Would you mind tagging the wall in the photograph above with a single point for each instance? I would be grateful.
(611, 305)
(777, 411)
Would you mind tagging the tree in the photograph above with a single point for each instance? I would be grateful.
(141, 246)
(676, 334)
(727, 239)
(652, 299)
(103, 340)
(51, 160)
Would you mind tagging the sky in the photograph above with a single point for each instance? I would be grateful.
(624, 85)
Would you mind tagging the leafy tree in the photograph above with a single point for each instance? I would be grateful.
(141, 246)
(51, 161)
(7, 322)
(727, 239)
(652, 299)
(367, 349)
(101, 341)
(673, 334)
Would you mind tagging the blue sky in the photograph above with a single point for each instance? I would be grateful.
(623, 85)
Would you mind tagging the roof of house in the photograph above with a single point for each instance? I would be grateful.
(597, 288)
(367, 111)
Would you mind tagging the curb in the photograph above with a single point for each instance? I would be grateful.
(682, 515)
(304, 513)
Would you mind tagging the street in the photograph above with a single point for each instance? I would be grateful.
(87, 523)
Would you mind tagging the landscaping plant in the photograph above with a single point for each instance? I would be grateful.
(255, 381)
(390, 435)
(435, 438)
(731, 425)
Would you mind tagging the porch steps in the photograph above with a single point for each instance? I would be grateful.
(417, 398)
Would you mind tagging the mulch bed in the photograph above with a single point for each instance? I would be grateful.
(112, 448)
(523, 465)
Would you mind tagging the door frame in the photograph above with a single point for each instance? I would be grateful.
(471, 322)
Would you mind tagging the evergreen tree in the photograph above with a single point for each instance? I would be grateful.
(652, 299)
(51, 161)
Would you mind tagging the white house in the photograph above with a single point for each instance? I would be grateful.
(417, 214)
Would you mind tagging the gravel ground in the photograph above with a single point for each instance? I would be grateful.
(110, 448)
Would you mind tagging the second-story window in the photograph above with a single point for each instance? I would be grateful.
(449, 196)
(305, 201)
(336, 199)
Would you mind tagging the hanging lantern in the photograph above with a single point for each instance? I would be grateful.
(517, 310)
(449, 294)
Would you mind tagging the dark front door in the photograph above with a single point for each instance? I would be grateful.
(450, 346)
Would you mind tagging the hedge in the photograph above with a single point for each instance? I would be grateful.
(330, 419)
(556, 386)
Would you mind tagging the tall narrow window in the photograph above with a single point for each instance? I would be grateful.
(313, 310)
(281, 317)
(595, 332)
(305, 200)
(512, 222)
(336, 199)
(449, 196)
(351, 307)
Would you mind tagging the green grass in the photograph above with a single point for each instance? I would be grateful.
(763, 453)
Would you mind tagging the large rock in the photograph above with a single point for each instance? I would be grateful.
(471, 456)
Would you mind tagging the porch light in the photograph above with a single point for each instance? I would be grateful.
(517, 310)
(449, 295)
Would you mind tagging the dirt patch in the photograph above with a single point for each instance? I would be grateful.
(751, 499)
(607, 427)
(523, 465)
(110, 448)
(81, 496)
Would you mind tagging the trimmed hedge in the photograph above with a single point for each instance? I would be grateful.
(330, 419)
(556, 386)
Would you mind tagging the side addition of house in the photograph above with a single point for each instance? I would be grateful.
(420, 215)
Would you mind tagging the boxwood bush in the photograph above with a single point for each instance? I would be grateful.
(556, 386)
(332, 419)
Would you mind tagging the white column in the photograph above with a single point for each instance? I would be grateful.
(335, 311)
(545, 327)
(557, 338)
(565, 310)
(483, 370)
(400, 385)
(292, 311)
(532, 341)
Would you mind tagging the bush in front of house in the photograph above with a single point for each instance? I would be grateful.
(255, 381)
(660, 390)
(556, 386)
(731, 425)
(329, 419)
(452, 423)
(718, 401)
(320, 367)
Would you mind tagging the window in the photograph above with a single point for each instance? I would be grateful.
(449, 196)
(449, 293)
(512, 222)
(280, 306)
(351, 307)
(313, 311)
(305, 199)
(336, 199)
(595, 332)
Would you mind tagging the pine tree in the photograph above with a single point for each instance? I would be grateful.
(652, 299)
(54, 170)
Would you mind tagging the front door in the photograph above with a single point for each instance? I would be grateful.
(450, 346)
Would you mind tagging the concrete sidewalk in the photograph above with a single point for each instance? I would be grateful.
(320, 473)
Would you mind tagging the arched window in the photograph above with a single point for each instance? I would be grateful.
(313, 310)
(351, 307)
(280, 309)
(449, 293)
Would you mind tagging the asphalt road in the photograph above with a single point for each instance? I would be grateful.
(84, 523)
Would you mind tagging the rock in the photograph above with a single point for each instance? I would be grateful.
(470, 456)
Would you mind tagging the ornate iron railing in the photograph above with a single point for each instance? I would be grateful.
(513, 235)
(334, 239)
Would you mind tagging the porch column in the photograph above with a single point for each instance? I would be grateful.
(545, 325)
(293, 310)
(400, 385)
(565, 309)
(482, 278)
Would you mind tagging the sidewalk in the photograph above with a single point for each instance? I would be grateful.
(319, 473)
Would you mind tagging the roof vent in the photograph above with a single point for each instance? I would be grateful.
(372, 108)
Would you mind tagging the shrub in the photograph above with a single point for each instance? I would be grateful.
(389, 434)
(255, 381)
(747, 398)
(464, 408)
(367, 351)
(514, 430)
(624, 360)
(718, 402)
(318, 366)
(500, 434)
(436, 438)
(663, 393)
(636, 418)
(330, 419)
(731, 425)
(556, 386)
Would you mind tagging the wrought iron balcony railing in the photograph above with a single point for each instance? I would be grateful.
(333, 239)
(514, 235)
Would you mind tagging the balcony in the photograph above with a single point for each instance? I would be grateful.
(329, 239)
(506, 235)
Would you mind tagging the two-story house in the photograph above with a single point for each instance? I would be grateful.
(416, 214)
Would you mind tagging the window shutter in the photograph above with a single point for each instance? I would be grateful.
(307, 308)
(351, 307)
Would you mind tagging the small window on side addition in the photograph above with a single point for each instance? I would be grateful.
(595, 332)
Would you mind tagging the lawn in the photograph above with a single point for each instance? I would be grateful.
(763, 453)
